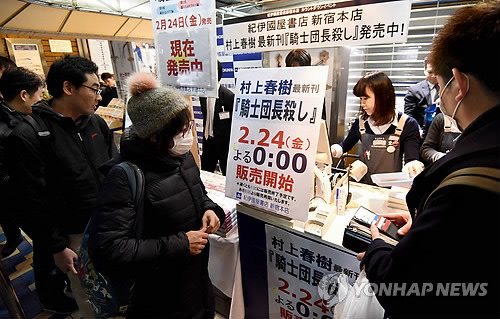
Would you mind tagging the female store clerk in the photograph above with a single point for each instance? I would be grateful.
(387, 136)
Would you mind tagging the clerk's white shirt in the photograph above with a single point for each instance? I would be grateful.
(209, 123)
(377, 130)
(381, 128)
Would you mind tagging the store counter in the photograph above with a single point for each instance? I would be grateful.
(254, 254)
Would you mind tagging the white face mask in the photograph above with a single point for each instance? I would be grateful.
(451, 118)
(182, 143)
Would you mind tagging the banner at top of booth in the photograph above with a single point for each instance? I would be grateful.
(322, 25)
(185, 43)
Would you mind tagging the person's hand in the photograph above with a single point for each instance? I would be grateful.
(401, 219)
(438, 155)
(210, 222)
(375, 235)
(197, 240)
(65, 259)
(413, 168)
(336, 150)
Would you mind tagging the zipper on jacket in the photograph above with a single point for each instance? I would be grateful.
(191, 191)
(94, 171)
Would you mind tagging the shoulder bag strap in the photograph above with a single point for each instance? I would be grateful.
(137, 184)
(485, 178)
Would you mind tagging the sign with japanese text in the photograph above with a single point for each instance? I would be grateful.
(185, 43)
(100, 54)
(28, 56)
(321, 25)
(274, 137)
(60, 46)
(296, 267)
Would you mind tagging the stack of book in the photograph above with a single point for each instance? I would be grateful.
(215, 186)
(230, 223)
(397, 197)
(113, 113)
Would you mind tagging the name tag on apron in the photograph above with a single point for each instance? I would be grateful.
(379, 143)
(224, 115)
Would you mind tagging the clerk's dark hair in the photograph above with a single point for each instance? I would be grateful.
(470, 42)
(15, 80)
(106, 75)
(164, 139)
(73, 69)
(385, 97)
(301, 56)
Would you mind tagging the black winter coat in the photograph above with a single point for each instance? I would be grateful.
(62, 172)
(170, 282)
(9, 119)
(453, 241)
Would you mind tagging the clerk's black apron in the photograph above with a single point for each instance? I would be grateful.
(449, 136)
(381, 152)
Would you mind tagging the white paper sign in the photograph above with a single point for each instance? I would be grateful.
(101, 55)
(274, 137)
(318, 26)
(185, 42)
(295, 268)
(62, 46)
(28, 56)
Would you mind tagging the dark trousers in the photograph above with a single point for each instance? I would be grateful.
(50, 281)
(214, 150)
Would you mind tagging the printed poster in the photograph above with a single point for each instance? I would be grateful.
(274, 137)
(28, 56)
(302, 275)
(185, 40)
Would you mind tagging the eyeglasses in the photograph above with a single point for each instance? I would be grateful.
(97, 91)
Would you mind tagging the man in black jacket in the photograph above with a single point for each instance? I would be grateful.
(20, 88)
(217, 117)
(58, 170)
(109, 90)
(450, 247)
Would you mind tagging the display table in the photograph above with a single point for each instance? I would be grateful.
(224, 263)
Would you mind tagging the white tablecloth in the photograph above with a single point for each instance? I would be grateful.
(225, 271)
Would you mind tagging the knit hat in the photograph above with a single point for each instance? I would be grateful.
(150, 106)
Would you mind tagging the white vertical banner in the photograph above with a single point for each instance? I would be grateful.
(318, 26)
(302, 275)
(101, 55)
(185, 43)
(274, 137)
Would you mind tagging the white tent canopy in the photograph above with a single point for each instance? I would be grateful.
(122, 20)
(63, 20)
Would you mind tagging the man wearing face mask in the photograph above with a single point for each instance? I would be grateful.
(445, 243)
(171, 263)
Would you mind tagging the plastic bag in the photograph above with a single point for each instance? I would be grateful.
(359, 301)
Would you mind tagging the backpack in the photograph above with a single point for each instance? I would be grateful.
(110, 296)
